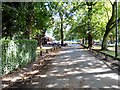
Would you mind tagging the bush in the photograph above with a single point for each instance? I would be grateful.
(16, 53)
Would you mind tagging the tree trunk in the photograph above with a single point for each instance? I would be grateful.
(40, 45)
(61, 30)
(89, 27)
(89, 41)
(30, 19)
(30, 28)
(83, 41)
(104, 42)
(109, 27)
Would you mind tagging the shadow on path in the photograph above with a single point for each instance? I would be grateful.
(74, 68)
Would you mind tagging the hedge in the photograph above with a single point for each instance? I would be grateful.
(17, 53)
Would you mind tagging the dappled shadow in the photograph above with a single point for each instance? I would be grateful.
(74, 68)
(25, 74)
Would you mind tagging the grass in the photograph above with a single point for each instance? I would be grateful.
(110, 51)
(96, 47)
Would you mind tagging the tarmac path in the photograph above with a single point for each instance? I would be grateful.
(75, 68)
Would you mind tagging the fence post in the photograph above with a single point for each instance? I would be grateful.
(46, 50)
(40, 52)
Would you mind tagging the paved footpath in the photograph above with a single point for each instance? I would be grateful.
(75, 68)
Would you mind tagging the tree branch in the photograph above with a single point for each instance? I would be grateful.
(113, 15)
(110, 2)
(114, 24)
(95, 3)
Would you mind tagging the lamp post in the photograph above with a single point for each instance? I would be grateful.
(116, 43)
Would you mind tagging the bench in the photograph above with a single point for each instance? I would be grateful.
(46, 49)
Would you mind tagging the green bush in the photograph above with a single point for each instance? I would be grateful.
(16, 53)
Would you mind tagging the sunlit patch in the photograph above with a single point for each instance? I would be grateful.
(110, 75)
(46, 48)
(76, 61)
(33, 72)
(54, 63)
(83, 60)
(51, 85)
(15, 79)
(54, 71)
(24, 68)
(70, 63)
(104, 66)
(35, 83)
(35, 64)
(77, 68)
(65, 56)
(90, 59)
(5, 85)
(77, 50)
(68, 69)
(98, 78)
(6, 79)
(95, 70)
(57, 75)
(114, 86)
(43, 75)
(85, 86)
(38, 75)
(83, 55)
(62, 52)
(106, 87)
(66, 85)
(67, 59)
(62, 63)
(90, 63)
(26, 77)
(73, 72)
(21, 75)
(79, 77)
(86, 67)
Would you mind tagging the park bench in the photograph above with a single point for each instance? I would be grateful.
(46, 49)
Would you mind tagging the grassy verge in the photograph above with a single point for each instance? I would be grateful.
(110, 51)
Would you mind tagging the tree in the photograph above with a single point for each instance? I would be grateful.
(9, 19)
(42, 19)
(61, 11)
(109, 27)
(17, 19)
(29, 18)
(25, 19)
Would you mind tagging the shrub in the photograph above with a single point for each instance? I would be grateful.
(16, 53)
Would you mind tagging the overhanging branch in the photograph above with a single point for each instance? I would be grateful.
(114, 24)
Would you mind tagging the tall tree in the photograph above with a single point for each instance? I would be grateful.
(29, 18)
(9, 15)
(61, 11)
(90, 6)
(109, 27)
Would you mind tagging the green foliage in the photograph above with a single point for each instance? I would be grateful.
(25, 19)
(16, 53)
(13, 19)
(100, 13)
(56, 34)
(78, 21)
(111, 24)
